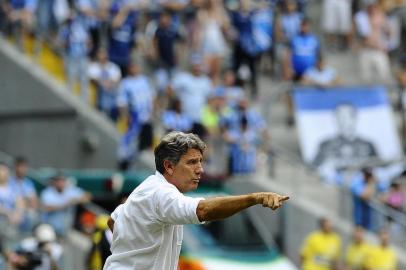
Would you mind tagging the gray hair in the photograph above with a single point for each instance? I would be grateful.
(173, 146)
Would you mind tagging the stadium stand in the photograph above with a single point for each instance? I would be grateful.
(256, 127)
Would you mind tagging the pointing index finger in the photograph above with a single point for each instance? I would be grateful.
(283, 198)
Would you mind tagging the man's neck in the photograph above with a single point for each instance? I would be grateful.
(167, 177)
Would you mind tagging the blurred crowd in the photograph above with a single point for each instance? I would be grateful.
(31, 224)
(193, 65)
(160, 65)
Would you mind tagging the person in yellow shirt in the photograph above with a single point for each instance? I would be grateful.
(321, 249)
(382, 256)
(357, 251)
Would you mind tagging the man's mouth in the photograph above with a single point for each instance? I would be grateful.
(196, 181)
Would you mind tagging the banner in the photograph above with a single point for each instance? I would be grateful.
(345, 127)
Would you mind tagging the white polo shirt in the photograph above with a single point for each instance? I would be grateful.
(148, 229)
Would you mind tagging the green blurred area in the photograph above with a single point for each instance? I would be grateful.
(102, 184)
(111, 184)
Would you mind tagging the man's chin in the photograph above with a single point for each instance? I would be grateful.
(194, 186)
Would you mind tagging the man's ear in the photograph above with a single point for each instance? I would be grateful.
(168, 167)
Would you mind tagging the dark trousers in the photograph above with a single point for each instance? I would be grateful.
(146, 136)
(240, 57)
(362, 213)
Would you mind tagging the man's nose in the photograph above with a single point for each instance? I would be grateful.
(199, 169)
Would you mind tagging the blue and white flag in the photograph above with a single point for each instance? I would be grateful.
(345, 127)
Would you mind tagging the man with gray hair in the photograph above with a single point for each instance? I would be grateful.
(147, 228)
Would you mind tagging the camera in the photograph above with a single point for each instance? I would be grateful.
(34, 259)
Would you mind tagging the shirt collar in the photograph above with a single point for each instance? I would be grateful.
(160, 175)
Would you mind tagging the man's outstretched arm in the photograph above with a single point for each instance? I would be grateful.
(222, 207)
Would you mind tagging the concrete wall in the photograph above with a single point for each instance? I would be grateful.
(41, 120)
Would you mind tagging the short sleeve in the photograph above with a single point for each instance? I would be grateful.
(30, 189)
(116, 212)
(317, 45)
(178, 82)
(93, 71)
(76, 192)
(357, 187)
(122, 99)
(115, 73)
(46, 198)
(151, 88)
(209, 89)
(173, 207)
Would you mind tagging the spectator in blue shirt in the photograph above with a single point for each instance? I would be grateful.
(243, 143)
(246, 50)
(164, 42)
(136, 101)
(75, 41)
(46, 19)
(163, 51)
(22, 185)
(289, 22)
(174, 119)
(254, 120)
(303, 53)
(321, 75)
(58, 203)
(363, 190)
(106, 76)
(24, 188)
(286, 28)
(123, 32)
(193, 89)
(11, 205)
(233, 92)
(20, 16)
(90, 11)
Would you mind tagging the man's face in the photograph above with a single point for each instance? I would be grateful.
(21, 170)
(187, 173)
(165, 20)
(305, 28)
(358, 235)
(60, 184)
(291, 7)
(384, 238)
(134, 69)
(196, 69)
(229, 78)
(346, 121)
(326, 226)
(320, 64)
(102, 56)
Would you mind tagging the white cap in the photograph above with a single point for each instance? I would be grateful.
(45, 233)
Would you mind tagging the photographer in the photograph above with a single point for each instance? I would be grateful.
(40, 252)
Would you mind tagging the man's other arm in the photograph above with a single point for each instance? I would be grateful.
(110, 223)
(222, 207)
